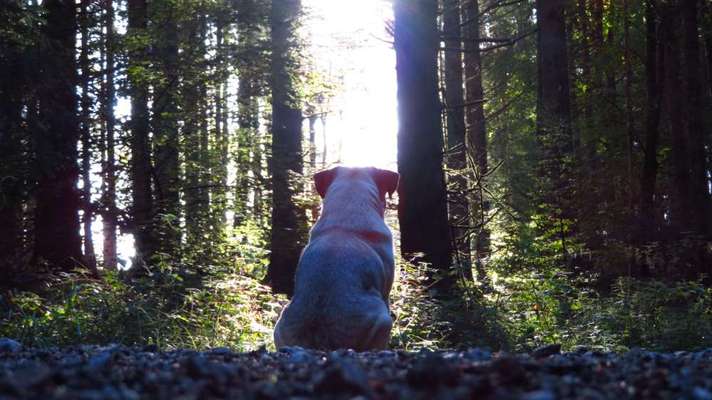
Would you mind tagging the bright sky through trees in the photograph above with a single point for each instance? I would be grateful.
(348, 41)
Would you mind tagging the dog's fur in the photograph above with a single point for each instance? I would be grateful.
(345, 273)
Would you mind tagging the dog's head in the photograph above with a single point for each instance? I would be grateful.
(386, 181)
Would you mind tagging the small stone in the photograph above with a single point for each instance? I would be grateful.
(343, 376)
(699, 393)
(8, 345)
(546, 351)
(539, 395)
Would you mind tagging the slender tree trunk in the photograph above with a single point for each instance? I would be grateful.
(109, 202)
(248, 121)
(142, 208)
(288, 234)
(554, 113)
(193, 114)
(165, 123)
(422, 208)
(696, 128)
(87, 217)
(476, 137)
(681, 215)
(653, 69)
(12, 177)
(219, 194)
(57, 239)
(459, 209)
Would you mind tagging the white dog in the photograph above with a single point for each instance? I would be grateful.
(345, 273)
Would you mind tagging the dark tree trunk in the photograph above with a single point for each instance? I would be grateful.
(57, 239)
(422, 208)
(165, 123)
(142, 208)
(696, 128)
(288, 235)
(12, 178)
(682, 204)
(248, 123)
(459, 209)
(85, 120)
(476, 137)
(653, 69)
(554, 131)
(110, 213)
(193, 114)
(219, 193)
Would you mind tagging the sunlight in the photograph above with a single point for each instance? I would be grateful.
(349, 42)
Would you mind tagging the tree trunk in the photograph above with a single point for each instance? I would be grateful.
(87, 217)
(193, 114)
(288, 234)
(109, 202)
(422, 208)
(13, 164)
(653, 69)
(57, 239)
(476, 137)
(248, 123)
(165, 123)
(142, 207)
(681, 204)
(554, 131)
(459, 209)
(696, 128)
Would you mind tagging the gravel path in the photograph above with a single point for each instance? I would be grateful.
(118, 372)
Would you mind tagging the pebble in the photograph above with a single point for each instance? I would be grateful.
(119, 372)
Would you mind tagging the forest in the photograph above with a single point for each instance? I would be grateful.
(555, 161)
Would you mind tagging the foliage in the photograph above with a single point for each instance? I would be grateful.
(233, 310)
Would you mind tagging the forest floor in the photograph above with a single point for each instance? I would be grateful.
(118, 372)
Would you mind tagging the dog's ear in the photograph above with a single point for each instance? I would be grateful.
(323, 179)
(387, 181)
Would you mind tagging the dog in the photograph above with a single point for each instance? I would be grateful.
(345, 272)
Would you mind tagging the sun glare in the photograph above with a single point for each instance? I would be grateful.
(348, 41)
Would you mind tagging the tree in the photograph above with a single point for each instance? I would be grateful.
(57, 240)
(86, 139)
(110, 213)
(288, 220)
(459, 210)
(554, 130)
(140, 173)
(422, 208)
(165, 127)
(476, 134)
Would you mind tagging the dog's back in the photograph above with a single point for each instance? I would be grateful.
(344, 276)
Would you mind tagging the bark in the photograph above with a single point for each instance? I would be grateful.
(288, 234)
(696, 129)
(57, 239)
(248, 122)
(219, 193)
(422, 208)
(87, 217)
(459, 209)
(476, 137)
(165, 123)
(554, 131)
(142, 207)
(193, 114)
(681, 213)
(12, 193)
(653, 69)
(109, 216)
